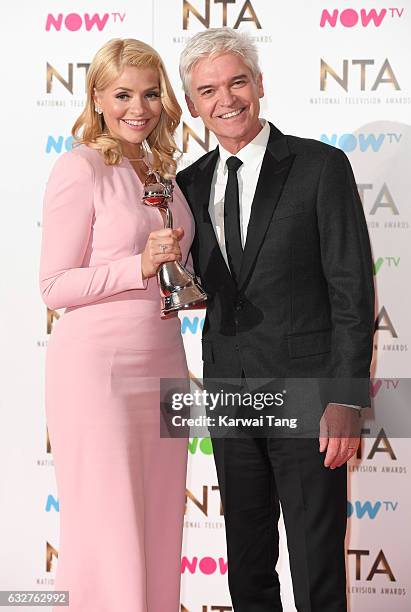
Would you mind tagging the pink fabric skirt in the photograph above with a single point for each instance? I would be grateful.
(121, 487)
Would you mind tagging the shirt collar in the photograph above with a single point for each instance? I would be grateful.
(253, 152)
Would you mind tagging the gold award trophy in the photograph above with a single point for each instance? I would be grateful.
(178, 288)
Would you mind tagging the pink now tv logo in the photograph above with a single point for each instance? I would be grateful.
(73, 22)
(350, 17)
(205, 565)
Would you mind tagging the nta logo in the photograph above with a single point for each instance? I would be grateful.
(380, 565)
(246, 14)
(51, 316)
(48, 445)
(349, 17)
(74, 22)
(51, 555)
(188, 133)
(384, 198)
(385, 74)
(53, 73)
(204, 504)
(381, 444)
(383, 322)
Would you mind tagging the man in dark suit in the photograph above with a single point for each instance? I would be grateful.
(282, 250)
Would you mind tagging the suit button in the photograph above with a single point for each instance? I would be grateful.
(239, 305)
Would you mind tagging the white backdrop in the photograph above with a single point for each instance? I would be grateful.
(334, 71)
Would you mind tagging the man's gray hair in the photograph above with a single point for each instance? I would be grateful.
(213, 42)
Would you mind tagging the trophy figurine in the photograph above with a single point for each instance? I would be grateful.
(178, 288)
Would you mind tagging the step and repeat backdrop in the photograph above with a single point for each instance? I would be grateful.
(334, 71)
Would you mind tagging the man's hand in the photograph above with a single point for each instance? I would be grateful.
(340, 429)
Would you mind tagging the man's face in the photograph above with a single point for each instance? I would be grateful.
(224, 93)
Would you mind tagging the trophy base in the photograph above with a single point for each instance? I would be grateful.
(183, 299)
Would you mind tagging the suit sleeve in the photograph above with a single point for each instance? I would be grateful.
(68, 216)
(347, 264)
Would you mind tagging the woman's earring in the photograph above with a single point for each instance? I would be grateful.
(98, 109)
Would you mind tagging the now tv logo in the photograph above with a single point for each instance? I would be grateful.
(203, 445)
(350, 17)
(205, 565)
(58, 144)
(74, 21)
(388, 384)
(350, 142)
(192, 325)
(369, 509)
(52, 503)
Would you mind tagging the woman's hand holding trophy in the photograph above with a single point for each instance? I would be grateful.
(162, 246)
(178, 288)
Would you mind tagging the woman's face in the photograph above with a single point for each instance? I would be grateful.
(131, 106)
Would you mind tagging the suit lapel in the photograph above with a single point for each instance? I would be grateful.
(275, 168)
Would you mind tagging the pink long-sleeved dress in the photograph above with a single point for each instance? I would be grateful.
(121, 487)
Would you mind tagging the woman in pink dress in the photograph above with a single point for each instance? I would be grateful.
(121, 487)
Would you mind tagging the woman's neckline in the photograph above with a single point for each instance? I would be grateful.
(130, 165)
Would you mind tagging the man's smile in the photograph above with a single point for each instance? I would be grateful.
(233, 113)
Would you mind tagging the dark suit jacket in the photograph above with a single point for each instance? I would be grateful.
(304, 304)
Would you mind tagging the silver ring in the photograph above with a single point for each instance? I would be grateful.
(163, 248)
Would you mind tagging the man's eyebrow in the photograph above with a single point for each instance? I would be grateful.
(239, 76)
(203, 87)
(234, 78)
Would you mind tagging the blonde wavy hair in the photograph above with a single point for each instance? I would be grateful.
(107, 65)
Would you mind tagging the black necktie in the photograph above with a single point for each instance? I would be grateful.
(232, 231)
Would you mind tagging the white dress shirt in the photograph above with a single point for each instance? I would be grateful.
(252, 157)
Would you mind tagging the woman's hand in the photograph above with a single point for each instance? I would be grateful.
(162, 246)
